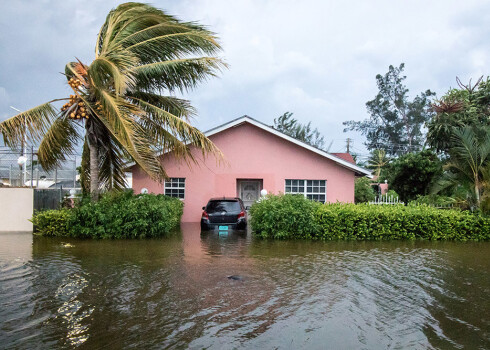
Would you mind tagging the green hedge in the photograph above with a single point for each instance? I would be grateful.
(51, 222)
(115, 215)
(284, 216)
(287, 216)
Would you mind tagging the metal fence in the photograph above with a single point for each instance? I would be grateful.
(385, 199)
(21, 168)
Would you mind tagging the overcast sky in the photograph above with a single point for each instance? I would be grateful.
(317, 59)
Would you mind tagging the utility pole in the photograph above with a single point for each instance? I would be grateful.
(349, 140)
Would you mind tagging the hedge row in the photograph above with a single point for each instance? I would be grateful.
(115, 215)
(293, 216)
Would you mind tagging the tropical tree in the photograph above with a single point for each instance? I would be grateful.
(413, 174)
(303, 132)
(467, 171)
(377, 161)
(468, 105)
(395, 123)
(121, 105)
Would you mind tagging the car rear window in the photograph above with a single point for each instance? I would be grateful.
(219, 206)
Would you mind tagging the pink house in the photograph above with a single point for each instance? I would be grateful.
(257, 157)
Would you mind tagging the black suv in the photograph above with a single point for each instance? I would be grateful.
(224, 213)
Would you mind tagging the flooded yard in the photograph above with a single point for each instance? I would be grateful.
(176, 293)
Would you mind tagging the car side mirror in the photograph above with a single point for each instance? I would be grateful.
(247, 207)
(203, 208)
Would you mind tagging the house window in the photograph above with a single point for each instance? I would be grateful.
(175, 187)
(311, 189)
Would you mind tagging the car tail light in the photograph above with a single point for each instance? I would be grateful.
(205, 215)
(241, 215)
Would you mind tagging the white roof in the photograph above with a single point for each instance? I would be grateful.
(247, 119)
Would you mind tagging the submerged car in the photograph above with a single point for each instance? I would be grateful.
(224, 213)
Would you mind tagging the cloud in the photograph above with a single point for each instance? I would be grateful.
(317, 59)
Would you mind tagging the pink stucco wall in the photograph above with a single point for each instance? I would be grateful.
(250, 153)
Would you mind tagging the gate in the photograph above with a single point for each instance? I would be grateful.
(45, 199)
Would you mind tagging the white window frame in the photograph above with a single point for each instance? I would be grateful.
(305, 186)
(165, 188)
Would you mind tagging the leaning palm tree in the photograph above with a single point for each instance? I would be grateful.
(122, 105)
(468, 164)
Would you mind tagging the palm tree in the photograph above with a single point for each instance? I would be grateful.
(117, 106)
(468, 164)
(377, 160)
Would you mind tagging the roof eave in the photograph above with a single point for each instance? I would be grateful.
(359, 171)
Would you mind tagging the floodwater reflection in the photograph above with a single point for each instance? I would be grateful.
(175, 292)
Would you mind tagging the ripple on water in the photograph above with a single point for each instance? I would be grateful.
(175, 293)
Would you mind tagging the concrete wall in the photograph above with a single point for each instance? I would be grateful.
(250, 153)
(16, 208)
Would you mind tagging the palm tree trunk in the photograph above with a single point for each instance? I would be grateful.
(477, 194)
(94, 171)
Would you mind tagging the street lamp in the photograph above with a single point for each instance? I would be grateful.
(22, 161)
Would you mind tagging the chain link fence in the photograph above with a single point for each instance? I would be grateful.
(21, 168)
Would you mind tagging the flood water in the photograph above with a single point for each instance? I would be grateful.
(175, 293)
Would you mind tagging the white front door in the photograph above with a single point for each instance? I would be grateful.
(249, 191)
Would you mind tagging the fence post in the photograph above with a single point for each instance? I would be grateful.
(56, 177)
(37, 175)
(10, 175)
(32, 166)
(75, 172)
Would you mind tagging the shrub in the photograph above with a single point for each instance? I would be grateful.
(123, 215)
(391, 194)
(51, 222)
(363, 190)
(432, 200)
(284, 216)
(280, 217)
(412, 174)
(376, 222)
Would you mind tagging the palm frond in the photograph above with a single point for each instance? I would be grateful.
(117, 22)
(470, 149)
(183, 130)
(115, 71)
(181, 74)
(117, 119)
(58, 142)
(176, 106)
(111, 164)
(166, 141)
(174, 46)
(30, 125)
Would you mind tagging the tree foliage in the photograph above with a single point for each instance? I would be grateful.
(414, 174)
(395, 123)
(121, 103)
(467, 172)
(468, 105)
(377, 161)
(303, 132)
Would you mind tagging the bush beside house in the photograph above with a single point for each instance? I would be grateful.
(116, 215)
(285, 217)
(363, 190)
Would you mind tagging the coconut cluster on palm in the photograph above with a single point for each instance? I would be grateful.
(122, 105)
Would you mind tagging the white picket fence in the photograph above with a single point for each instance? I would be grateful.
(390, 200)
